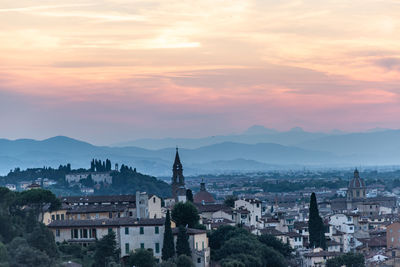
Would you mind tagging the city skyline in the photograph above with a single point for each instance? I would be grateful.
(110, 71)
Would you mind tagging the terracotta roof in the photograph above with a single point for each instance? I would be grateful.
(106, 222)
(205, 196)
(98, 208)
(271, 231)
(212, 207)
(293, 234)
(189, 231)
(98, 199)
(322, 254)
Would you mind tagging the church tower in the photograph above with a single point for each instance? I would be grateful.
(178, 180)
(356, 192)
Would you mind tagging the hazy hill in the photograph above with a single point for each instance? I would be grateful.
(258, 148)
(253, 135)
(60, 150)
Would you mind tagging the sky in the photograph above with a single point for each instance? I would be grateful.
(107, 71)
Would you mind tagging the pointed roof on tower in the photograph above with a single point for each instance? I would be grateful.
(177, 162)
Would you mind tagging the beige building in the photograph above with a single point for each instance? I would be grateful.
(198, 242)
(318, 257)
(131, 234)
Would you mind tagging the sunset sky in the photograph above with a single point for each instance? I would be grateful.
(109, 71)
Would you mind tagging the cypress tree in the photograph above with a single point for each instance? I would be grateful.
(168, 250)
(182, 243)
(315, 225)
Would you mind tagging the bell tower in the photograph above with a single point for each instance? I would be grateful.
(178, 180)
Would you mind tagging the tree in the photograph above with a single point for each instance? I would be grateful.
(230, 201)
(273, 242)
(3, 254)
(141, 258)
(106, 249)
(184, 261)
(185, 214)
(42, 239)
(348, 259)
(168, 250)
(233, 246)
(27, 256)
(189, 195)
(20, 254)
(315, 225)
(37, 199)
(182, 243)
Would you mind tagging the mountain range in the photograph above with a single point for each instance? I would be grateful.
(256, 149)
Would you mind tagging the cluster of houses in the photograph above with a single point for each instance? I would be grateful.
(354, 223)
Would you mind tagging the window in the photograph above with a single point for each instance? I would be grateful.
(110, 215)
(127, 230)
(154, 200)
(57, 232)
(79, 216)
(80, 233)
(156, 230)
(94, 233)
(97, 216)
(141, 245)
(198, 260)
(202, 244)
(109, 230)
(75, 233)
(126, 248)
(157, 247)
(256, 217)
(142, 230)
(85, 233)
(53, 217)
(392, 239)
(130, 214)
(197, 246)
(58, 217)
(62, 217)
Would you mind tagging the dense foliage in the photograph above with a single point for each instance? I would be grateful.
(27, 241)
(141, 258)
(348, 259)
(233, 246)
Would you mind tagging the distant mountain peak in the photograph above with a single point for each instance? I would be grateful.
(259, 129)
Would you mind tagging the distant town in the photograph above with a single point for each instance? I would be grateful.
(357, 214)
